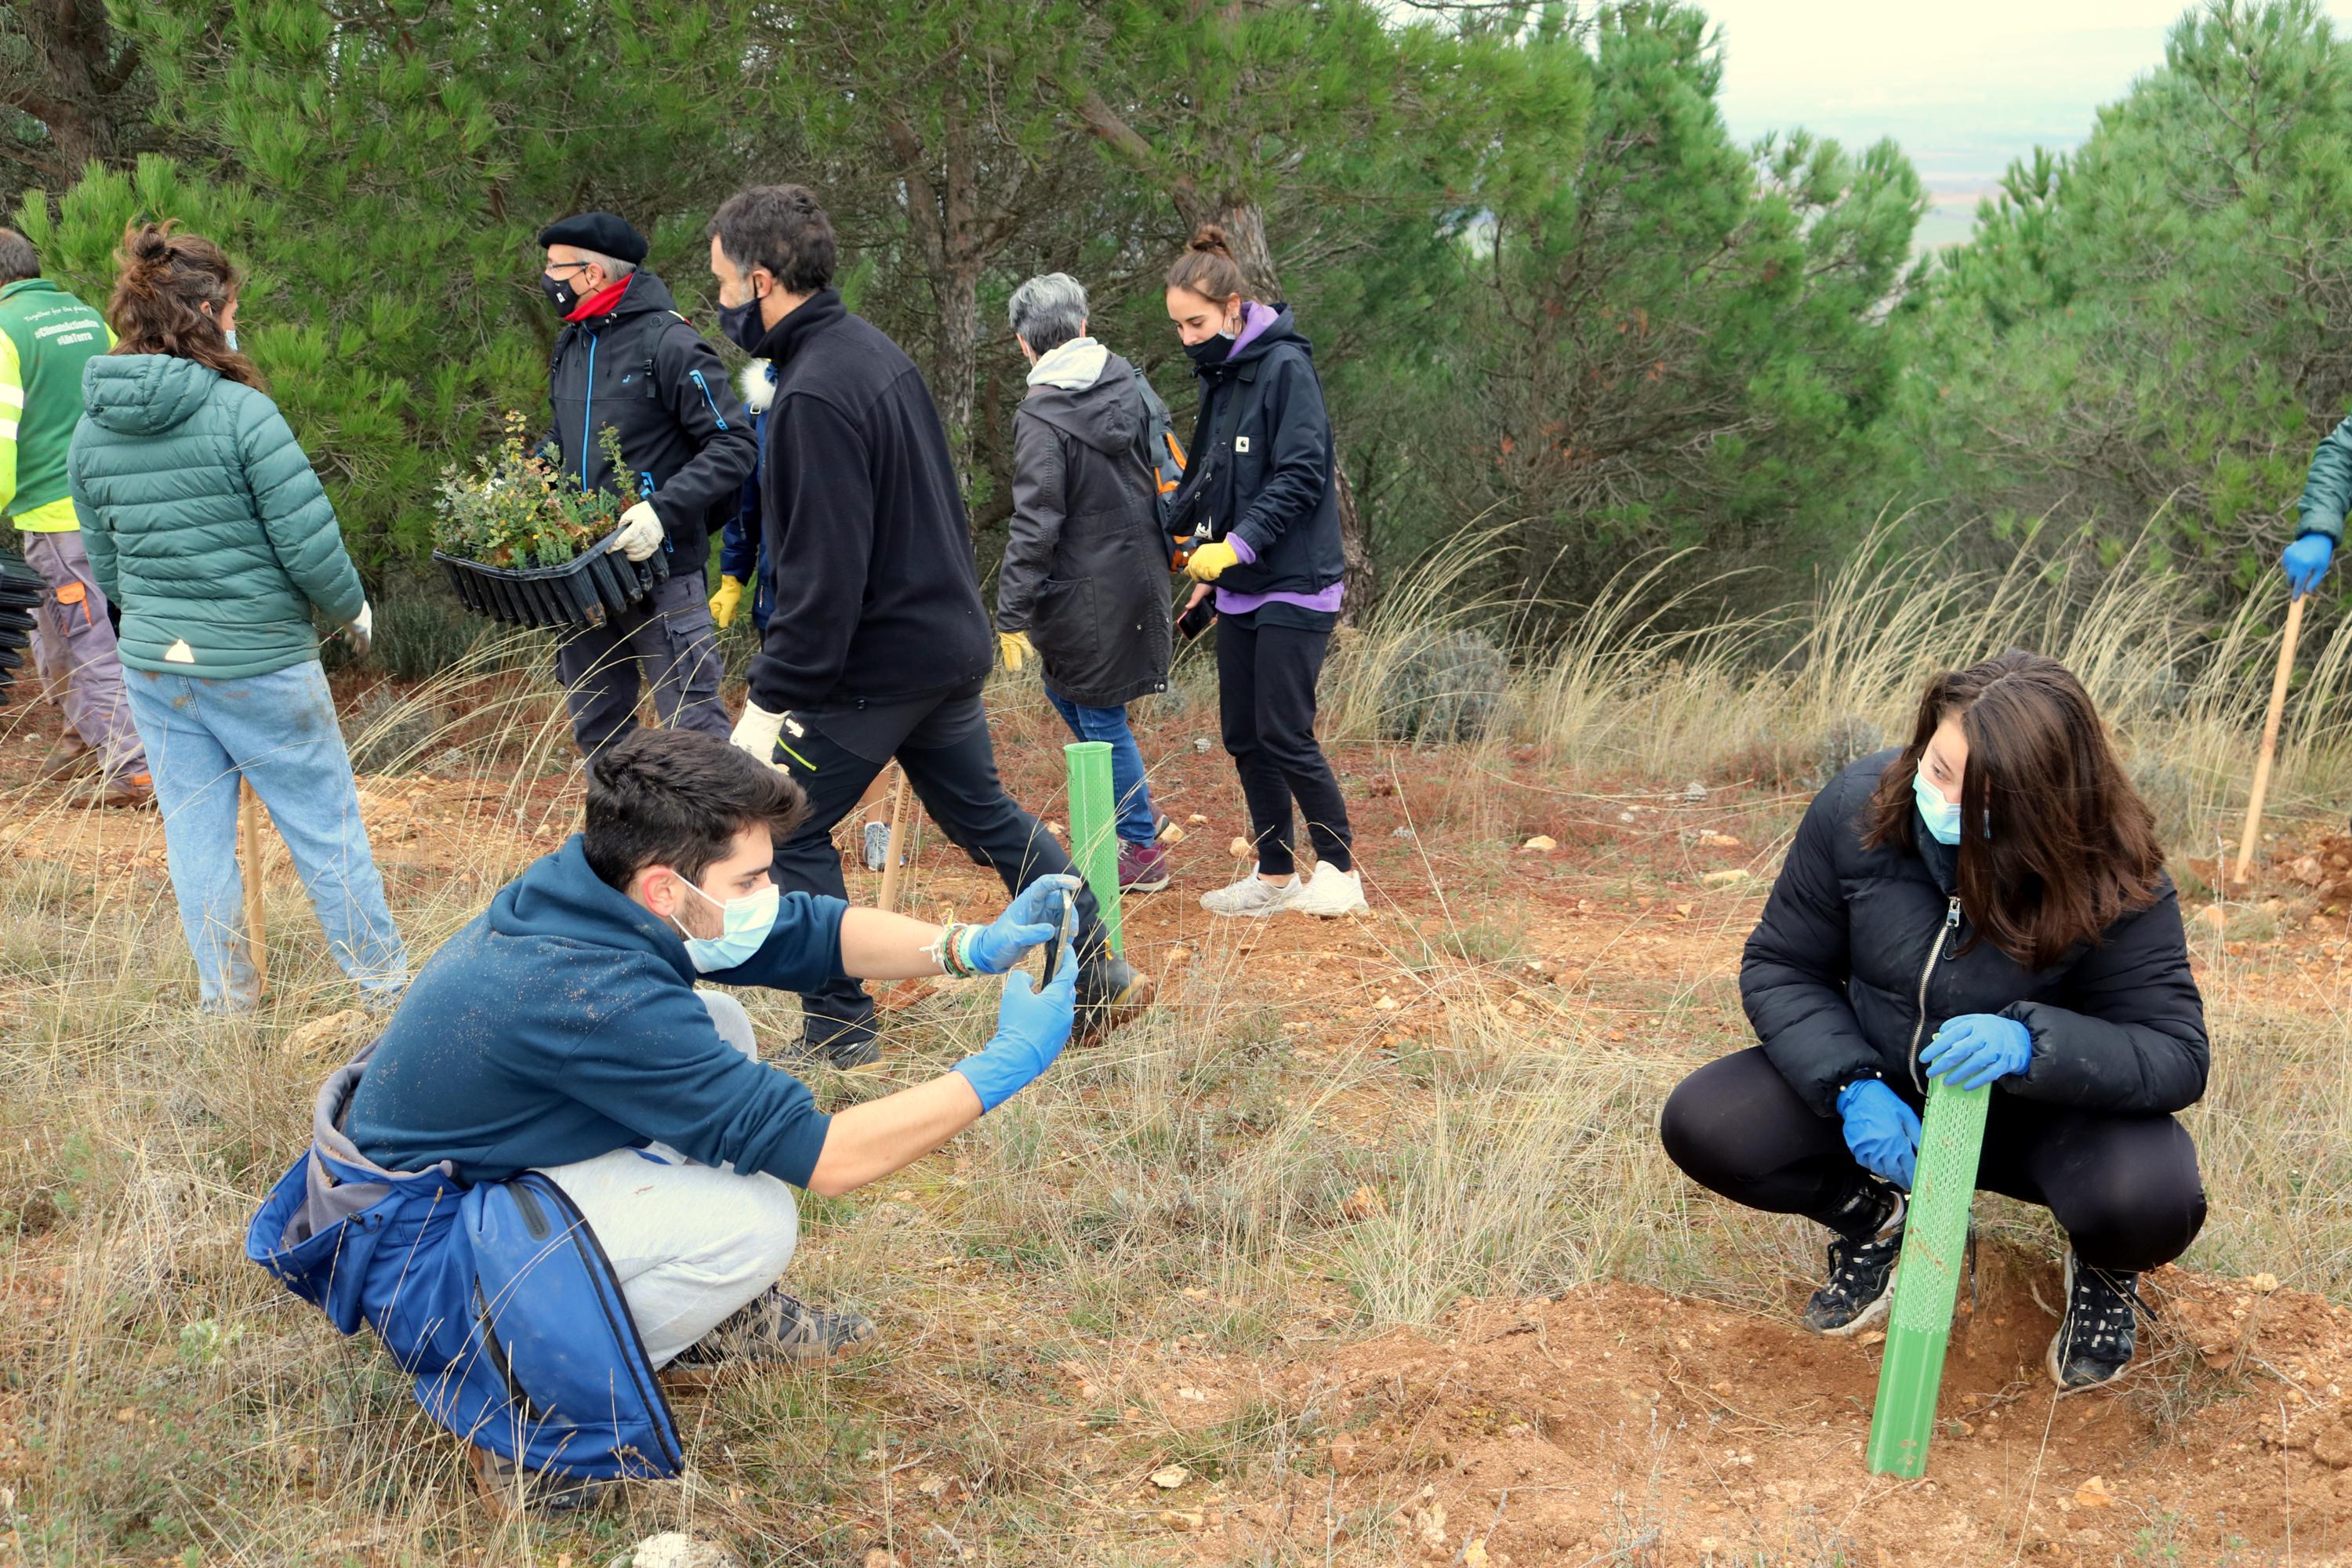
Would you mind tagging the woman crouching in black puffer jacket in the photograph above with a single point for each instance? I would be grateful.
(1987, 905)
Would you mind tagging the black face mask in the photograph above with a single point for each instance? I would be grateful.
(742, 325)
(1210, 351)
(560, 290)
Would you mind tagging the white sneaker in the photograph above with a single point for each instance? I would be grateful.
(1332, 893)
(1253, 898)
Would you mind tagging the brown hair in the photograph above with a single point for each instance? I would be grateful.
(163, 282)
(677, 798)
(1207, 267)
(2062, 847)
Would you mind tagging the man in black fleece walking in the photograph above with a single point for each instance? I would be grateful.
(877, 644)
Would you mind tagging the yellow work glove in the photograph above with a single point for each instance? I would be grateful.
(1017, 649)
(1209, 561)
(726, 601)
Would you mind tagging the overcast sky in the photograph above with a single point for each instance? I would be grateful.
(1964, 88)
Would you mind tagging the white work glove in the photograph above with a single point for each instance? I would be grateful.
(758, 731)
(360, 634)
(640, 533)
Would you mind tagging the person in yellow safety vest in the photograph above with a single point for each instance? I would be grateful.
(46, 337)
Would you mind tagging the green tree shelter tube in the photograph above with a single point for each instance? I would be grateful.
(1094, 832)
(1934, 1237)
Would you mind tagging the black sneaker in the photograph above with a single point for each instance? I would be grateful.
(776, 1329)
(2094, 1344)
(1861, 1284)
(845, 1044)
(1111, 992)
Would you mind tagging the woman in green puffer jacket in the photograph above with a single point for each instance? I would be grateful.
(204, 522)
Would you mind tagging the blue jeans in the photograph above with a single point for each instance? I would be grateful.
(1126, 762)
(278, 732)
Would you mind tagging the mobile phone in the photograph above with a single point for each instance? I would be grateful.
(1052, 951)
(1199, 618)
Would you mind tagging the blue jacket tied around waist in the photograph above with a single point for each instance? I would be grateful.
(496, 1299)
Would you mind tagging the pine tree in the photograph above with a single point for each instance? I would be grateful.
(382, 167)
(2158, 327)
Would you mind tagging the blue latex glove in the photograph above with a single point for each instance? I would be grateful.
(1973, 1049)
(2305, 562)
(1882, 1131)
(1027, 921)
(1032, 1027)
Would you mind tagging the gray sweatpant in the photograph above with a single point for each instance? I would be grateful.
(72, 634)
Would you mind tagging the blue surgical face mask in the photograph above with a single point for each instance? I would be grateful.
(1943, 817)
(230, 338)
(745, 924)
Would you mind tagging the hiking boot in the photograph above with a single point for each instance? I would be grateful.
(1861, 1284)
(775, 1328)
(134, 792)
(1253, 898)
(842, 1044)
(2094, 1344)
(71, 757)
(1142, 868)
(509, 1490)
(1332, 893)
(1111, 992)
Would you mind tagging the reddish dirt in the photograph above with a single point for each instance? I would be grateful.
(1614, 1425)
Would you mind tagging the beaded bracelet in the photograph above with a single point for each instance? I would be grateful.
(953, 952)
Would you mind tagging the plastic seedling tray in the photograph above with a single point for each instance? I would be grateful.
(20, 591)
(582, 592)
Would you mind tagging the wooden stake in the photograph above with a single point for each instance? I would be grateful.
(249, 854)
(2270, 739)
(898, 846)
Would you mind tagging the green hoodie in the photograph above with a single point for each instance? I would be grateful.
(203, 521)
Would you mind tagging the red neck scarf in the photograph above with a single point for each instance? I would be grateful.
(601, 300)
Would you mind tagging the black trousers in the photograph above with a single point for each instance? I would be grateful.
(952, 767)
(2125, 1189)
(1266, 703)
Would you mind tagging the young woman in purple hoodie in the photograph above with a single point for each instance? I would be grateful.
(1264, 511)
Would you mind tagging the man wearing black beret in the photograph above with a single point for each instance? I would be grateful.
(626, 361)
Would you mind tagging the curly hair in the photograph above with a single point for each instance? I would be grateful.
(163, 282)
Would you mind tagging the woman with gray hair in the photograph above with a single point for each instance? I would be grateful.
(1084, 585)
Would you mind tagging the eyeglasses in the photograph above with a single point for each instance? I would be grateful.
(559, 266)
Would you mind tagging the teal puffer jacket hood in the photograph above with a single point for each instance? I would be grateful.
(203, 521)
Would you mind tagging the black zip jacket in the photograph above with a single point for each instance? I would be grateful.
(1261, 465)
(877, 595)
(1086, 567)
(1856, 963)
(641, 368)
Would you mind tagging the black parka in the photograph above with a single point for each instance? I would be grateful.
(1086, 568)
(1857, 960)
(641, 368)
(1262, 464)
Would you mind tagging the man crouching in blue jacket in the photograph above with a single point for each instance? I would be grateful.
(560, 1033)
